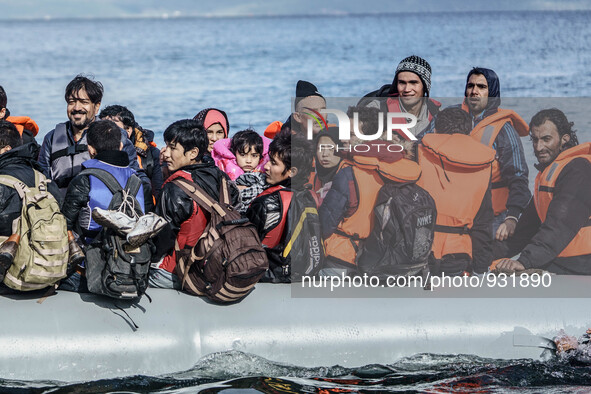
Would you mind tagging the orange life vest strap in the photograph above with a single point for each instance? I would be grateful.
(273, 237)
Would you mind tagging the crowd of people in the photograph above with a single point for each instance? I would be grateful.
(468, 157)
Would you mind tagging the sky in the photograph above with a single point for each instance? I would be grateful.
(57, 9)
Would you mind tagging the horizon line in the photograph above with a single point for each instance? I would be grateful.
(335, 14)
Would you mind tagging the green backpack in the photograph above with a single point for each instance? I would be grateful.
(42, 255)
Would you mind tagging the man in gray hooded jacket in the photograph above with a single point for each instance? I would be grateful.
(499, 129)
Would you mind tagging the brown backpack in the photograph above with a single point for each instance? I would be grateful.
(228, 258)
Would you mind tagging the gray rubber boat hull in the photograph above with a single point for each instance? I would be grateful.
(73, 337)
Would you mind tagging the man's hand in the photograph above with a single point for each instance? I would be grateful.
(506, 229)
(566, 343)
(509, 265)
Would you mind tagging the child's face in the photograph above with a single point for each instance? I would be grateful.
(117, 120)
(248, 160)
(275, 170)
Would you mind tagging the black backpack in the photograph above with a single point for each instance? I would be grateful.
(400, 242)
(113, 267)
(304, 249)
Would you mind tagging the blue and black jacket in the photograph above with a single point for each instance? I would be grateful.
(87, 192)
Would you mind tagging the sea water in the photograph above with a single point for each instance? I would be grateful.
(169, 69)
(236, 372)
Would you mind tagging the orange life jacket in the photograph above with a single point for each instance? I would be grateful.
(393, 104)
(273, 237)
(544, 191)
(272, 129)
(190, 230)
(23, 123)
(367, 173)
(486, 132)
(145, 163)
(456, 172)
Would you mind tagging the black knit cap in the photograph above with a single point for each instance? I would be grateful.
(417, 65)
(305, 89)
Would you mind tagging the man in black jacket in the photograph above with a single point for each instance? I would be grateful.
(185, 157)
(16, 160)
(554, 231)
(19, 161)
(288, 169)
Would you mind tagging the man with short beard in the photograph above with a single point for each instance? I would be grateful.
(64, 148)
(554, 231)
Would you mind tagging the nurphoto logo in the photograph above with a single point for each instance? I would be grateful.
(401, 122)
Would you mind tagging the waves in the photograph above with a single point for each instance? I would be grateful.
(420, 373)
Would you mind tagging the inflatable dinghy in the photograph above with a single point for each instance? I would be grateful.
(80, 337)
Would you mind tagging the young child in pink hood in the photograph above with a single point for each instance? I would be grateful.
(243, 158)
(245, 152)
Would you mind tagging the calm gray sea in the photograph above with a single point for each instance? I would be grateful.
(165, 70)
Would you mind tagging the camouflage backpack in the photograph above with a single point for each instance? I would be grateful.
(42, 255)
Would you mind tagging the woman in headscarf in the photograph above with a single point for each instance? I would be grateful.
(326, 159)
(215, 122)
